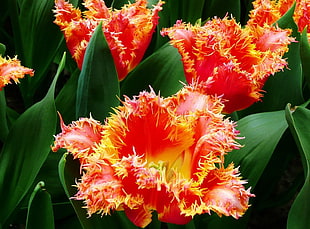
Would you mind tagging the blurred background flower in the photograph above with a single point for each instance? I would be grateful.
(12, 70)
(269, 11)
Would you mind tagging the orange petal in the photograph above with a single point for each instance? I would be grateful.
(140, 216)
(11, 69)
(100, 189)
(79, 138)
(77, 31)
(226, 194)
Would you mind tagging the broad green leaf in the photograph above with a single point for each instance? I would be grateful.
(262, 133)
(25, 150)
(298, 119)
(40, 210)
(2, 49)
(118, 4)
(224, 222)
(66, 99)
(279, 164)
(222, 8)
(287, 21)
(49, 174)
(155, 224)
(163, 71)
(191, 11)
(69, 172)
(37, 41)
(190, 225)
(98, 86)
(188, 11)
(305, 56)
(4, 130)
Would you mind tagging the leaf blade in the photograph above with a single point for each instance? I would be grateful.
(98, 86)
(163, 71)
(299, 124)
(40, 209)
(20, 159)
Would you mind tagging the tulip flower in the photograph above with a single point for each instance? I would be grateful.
(158, 154)
(128, 31)
(230, 61)
(11, 69)
(269, 11)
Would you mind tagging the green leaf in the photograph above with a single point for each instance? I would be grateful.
(298, 119)
(305, 56)
(279, 164)
(69, 172)
(262, 133)
(190, 225)
(287, 21)
(66, 99)
(2, 49)
(221, 8)
(37, 41)
(40, 209)
(98, 86)
(118, 4)
(49, 174)
(25, 150)
(163, 71)
(4, 130)
(192, 10)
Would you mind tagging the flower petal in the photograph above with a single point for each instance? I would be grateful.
(226, 193)
(11, 69)
(79, 138)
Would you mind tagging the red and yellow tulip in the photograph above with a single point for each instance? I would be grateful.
(269, 11)
(128, 31)
(230, 61)
(158, 154)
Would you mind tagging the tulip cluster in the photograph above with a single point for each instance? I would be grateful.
(169, 149)
(156, 102)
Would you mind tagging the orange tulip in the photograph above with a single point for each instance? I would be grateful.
(230, 61)
(269, 11)
(11, 69)
(128, 31)
(159, 154)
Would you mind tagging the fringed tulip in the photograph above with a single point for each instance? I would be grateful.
(230, 61)
(269, 11)
(159, 154)
(128, 31)
(11, 69)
